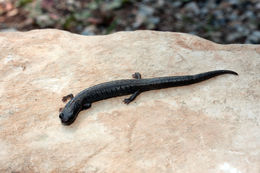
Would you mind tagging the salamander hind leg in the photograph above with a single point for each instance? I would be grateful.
(86, 106)
(132, 97)
(136, 75)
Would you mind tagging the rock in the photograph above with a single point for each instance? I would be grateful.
(176, 4)
(192, 6)
(212, 126)
(233, 36)
(8, 30)
(258, 6)
(44, 20)
(254, 38)
(144, 14)
(89, 30)
(233, 2)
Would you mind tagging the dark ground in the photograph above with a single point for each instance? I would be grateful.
(222, 21)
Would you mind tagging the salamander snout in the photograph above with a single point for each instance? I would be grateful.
(70, 112)
(61, 116)
(68, 115)
(66, 118)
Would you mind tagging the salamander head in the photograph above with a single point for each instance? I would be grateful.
(70, 113)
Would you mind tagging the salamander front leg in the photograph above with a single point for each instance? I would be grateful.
(132, 97)
(60, 109)
(65, 98)
(136, 75)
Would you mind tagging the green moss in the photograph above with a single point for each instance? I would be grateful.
(111, 27)
(69, 22)
(22, 3)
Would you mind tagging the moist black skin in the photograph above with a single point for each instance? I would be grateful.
(85, 98)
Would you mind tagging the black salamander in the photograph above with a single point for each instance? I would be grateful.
(85, 98)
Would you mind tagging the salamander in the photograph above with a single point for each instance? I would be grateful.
(135, 86)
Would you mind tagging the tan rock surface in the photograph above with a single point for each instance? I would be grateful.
(213, 126)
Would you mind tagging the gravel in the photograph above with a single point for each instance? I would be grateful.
(222, 21)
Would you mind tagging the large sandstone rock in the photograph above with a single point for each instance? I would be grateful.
(213, 126)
